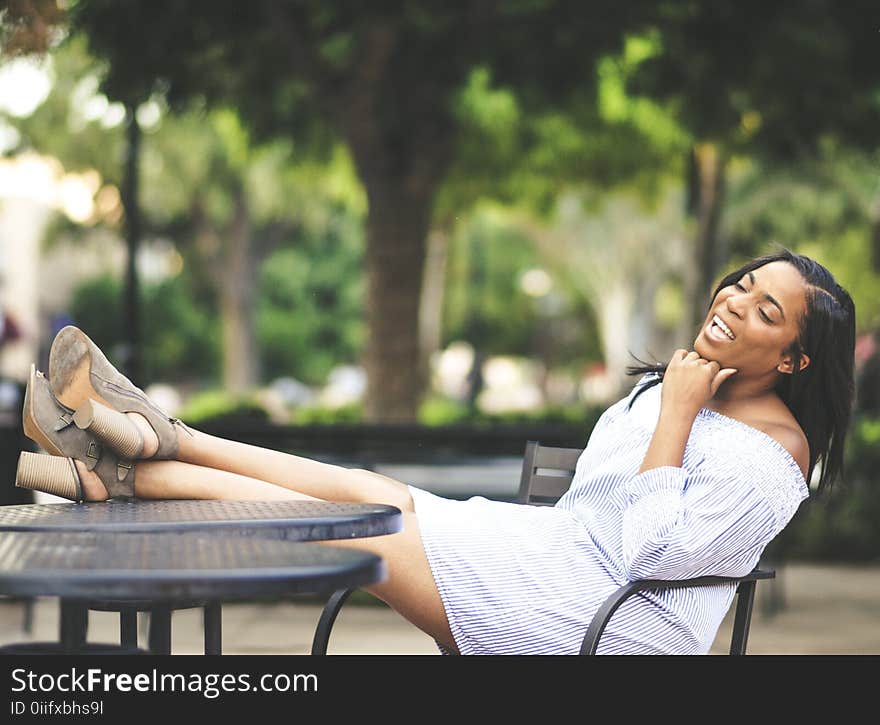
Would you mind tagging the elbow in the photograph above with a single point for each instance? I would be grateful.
(643, 565)
(668, 561)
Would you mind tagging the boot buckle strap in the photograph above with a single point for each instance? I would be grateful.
(123, 468)
(62, 422)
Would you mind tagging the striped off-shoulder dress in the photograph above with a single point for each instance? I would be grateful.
(517, 579)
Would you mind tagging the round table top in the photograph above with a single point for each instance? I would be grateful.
(175, 566)
(290, 520)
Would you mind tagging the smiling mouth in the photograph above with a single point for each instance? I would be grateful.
(719, 331)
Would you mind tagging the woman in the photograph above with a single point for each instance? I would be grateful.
(692, 474)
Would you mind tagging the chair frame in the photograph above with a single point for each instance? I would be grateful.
(547, 473)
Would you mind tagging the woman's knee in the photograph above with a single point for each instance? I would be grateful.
(375, 488)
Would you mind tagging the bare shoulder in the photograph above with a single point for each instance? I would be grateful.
(774, 418)
(792, 438)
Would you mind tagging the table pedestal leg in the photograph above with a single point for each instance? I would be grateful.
(128, 634)
(27, 623)
(160, 631)
(74, 625)
(213, 629)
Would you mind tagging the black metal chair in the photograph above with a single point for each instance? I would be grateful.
(547, 474)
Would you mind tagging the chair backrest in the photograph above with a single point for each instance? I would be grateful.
(547, 473)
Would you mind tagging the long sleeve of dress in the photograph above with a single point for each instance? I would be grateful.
(678, 525)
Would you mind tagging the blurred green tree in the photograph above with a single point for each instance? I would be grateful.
(772, 80)
(182, 333)
(825, 206)
(601, 143)
(223, 200)
(502, 301)
(382, 77)
(310, 304)
(767, 80)
(229, 202)
(71, 123)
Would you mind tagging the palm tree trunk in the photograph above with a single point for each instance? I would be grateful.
(433, 288)
(707, 193)
(237, 282)
(400, 172)
(133, 362)
(397, 228)
(875, 238)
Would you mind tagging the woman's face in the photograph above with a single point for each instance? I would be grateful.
(760, 312)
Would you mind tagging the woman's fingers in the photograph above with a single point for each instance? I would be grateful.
(690, 380)
(681, 355)
(720, 377)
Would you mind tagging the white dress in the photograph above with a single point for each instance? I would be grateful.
(518, 579)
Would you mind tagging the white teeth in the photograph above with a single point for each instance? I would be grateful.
(718, 321)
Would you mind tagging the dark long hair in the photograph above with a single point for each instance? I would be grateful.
(820, 396)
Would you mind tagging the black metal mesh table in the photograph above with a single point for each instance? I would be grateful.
(169, 568)
(238, 521)
(291, 520)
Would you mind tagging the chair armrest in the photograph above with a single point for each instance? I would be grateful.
(619, 596)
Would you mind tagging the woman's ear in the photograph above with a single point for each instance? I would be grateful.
(786, 367)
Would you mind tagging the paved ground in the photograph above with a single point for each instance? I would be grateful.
(829, 610)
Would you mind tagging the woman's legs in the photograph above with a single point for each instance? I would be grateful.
(409, 587)
(303, 475)
(174, 479)
(208, 467)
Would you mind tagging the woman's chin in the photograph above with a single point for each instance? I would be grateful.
(705, 351)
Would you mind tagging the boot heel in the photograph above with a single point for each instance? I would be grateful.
(113, 428)
(50, 474)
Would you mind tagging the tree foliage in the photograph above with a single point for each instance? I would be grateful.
(310, 307)
(183, 334)
(380, 76)
(825, 206)
(489, 302)
(197, 167)
(526, 100)
(769, 78)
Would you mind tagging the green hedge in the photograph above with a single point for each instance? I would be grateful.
(219, 406)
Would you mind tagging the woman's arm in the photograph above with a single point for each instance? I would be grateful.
(689, 381)
(678, 524)
(657, 538)
(668, 441)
